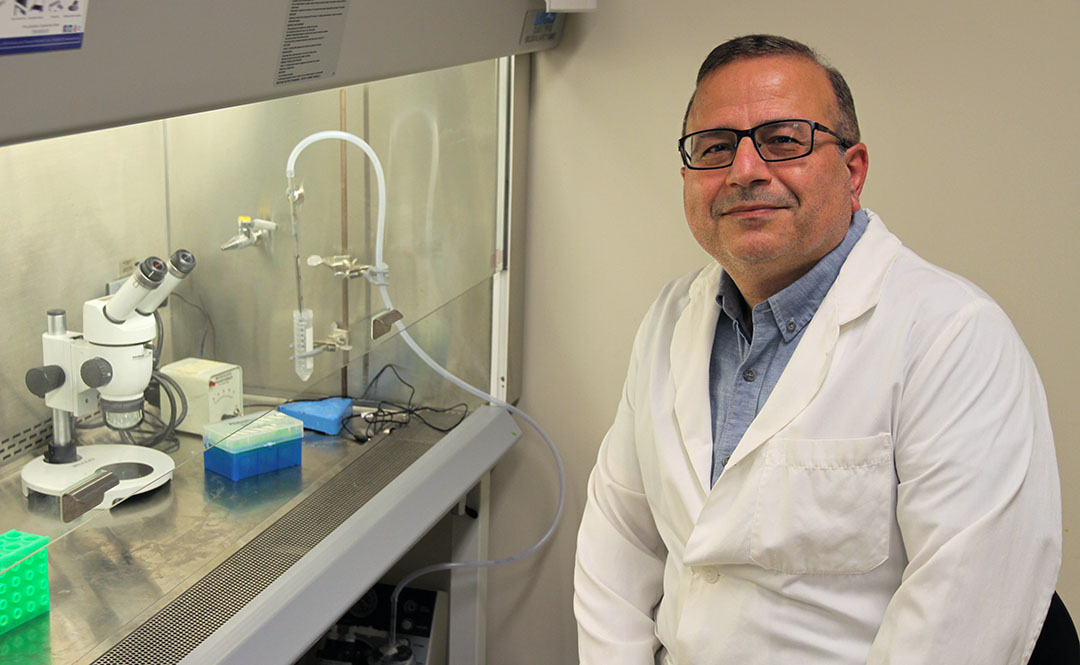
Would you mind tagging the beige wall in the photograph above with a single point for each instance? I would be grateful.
(967, 109)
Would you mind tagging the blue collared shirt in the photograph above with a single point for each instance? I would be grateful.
(747, 361)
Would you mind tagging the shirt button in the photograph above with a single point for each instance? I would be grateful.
(791, 326)
(749, 375)
(710, 575)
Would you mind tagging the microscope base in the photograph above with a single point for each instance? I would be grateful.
(138, 468)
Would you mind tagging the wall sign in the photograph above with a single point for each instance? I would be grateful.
(313, 30)
(41, 25)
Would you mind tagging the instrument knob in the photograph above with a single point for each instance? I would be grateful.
(41, 380)
(96, 372)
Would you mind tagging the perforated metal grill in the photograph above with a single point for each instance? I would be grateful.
(30, 441)
(194, 615)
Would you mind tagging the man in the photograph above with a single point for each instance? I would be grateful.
(827, 450)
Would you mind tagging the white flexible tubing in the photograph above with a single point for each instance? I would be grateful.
(380, 179)
(392, 644)
(439, 369)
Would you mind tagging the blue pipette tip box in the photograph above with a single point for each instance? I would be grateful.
(242, 447)
(24, 584)
(324, 415)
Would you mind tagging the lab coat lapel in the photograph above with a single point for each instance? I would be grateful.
(691, 348)
(857, 289)
(800, 381)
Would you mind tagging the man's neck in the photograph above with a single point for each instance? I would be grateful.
(757, 288)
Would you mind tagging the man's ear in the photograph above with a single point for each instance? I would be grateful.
(857, 160)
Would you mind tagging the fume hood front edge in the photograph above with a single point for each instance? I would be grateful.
(150, 60)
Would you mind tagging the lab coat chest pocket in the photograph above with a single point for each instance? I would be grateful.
(824, 506)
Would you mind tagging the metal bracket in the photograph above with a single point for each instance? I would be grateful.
(336, 340)
(250, 232)
(343, 265)
(382, 322)
(85, 494)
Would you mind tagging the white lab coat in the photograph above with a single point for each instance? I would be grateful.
(895, 501)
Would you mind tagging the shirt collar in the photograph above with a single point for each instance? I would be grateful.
(793, 307)
(730, 299)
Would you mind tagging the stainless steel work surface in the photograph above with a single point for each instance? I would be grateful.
(127, 585)
(119, 564)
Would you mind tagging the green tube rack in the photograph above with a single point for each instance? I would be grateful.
(24, 584)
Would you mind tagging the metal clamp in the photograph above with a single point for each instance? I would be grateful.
(343, 265)
(336, 340)
(251, 231)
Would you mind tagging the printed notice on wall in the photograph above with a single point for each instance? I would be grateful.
(542, 29)
(41, 25)
(312, 41)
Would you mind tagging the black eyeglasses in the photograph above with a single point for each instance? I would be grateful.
(776, 141)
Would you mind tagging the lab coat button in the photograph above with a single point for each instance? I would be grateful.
(709, 574)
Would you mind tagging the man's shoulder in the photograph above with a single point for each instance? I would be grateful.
(912, 283)
(930, 287)
(923, 304)
(701, 282)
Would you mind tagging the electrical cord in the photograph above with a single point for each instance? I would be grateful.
(388, 415)
(397, 415)
(160, 329)
(209, 324)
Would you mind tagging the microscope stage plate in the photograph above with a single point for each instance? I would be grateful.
(138, 468)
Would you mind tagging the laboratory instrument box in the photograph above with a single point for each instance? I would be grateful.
(241, 447)
(214, 391)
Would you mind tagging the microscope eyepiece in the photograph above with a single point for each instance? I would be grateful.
(153, 270)
(182, 261)
(146, 278)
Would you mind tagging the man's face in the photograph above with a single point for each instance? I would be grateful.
(768, 223)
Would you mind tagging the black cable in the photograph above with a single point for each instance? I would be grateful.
(351, 433)
(161, 376)
(160, 327)
(387, 415)
(378, 375)
(209, 325)
(465, 411)
(382, 419)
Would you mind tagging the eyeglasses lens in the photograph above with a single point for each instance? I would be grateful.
(784, 140)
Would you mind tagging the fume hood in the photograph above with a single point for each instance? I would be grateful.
(169, 127)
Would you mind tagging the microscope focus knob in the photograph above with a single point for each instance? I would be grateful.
(41, 380)
(96, 372)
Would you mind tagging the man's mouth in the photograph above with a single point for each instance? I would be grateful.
(750, 209)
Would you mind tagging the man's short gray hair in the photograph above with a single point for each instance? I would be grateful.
(760, 46)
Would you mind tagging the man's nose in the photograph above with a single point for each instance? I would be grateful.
(748, 167)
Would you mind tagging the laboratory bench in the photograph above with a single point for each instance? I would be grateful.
(207, 570)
